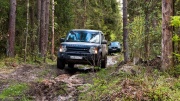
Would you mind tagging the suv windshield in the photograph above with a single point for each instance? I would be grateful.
(114, 44)
(83, 36)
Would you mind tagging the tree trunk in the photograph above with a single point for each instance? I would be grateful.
(52, 48)
(27, 25)
(42, 28)
(39, 24)
(167, 49)
(11, 29)
(46, 26)
(32, 25)
(146, 43)
(85, 15)
(125, 32)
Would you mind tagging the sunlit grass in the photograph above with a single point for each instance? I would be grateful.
(14, 90)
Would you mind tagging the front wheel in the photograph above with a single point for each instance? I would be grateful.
(98, 63)
(60, 64)
(104, 62)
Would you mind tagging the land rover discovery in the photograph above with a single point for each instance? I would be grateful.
(83, 46)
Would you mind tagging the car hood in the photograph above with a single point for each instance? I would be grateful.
(79, 44)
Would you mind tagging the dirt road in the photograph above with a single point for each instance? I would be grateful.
(51, 78)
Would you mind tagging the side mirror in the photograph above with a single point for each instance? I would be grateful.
(104, 42)
(62, 40)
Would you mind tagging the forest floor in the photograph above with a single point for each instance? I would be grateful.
(46, 82)
(137, 81)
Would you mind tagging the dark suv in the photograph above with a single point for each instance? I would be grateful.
(114, 47)
(83, 46)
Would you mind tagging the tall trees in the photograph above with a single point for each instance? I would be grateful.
(125, 32)
(167, 49)
(90, 14)
(11, 29)
(144, 18)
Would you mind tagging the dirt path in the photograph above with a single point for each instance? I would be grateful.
(51, 79)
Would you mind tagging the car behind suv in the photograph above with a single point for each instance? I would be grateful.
(114, 47)
(82, 46)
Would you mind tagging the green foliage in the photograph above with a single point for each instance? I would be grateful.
(14, 91)
(176, 70)
(4, 9)
(175, 21)
(145, 25)
(136, 36)
(113, 37)
(146, 85)
(176, 38)
(177, 85)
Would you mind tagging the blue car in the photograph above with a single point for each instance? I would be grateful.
(114, 47)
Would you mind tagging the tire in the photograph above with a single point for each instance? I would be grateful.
(60, 64)
(99, 62)
(104, 62)
(71, 65)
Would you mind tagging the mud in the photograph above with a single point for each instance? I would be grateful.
(48, 83)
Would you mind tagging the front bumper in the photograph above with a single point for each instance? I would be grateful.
(114, 50)
(77, 58)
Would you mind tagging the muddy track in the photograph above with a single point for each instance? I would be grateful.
(53, 80)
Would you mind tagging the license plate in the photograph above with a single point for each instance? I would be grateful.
(114, 49)
(75, 57)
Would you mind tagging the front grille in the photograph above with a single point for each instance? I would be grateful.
(78, 49)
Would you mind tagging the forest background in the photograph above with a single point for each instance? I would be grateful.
(40, 24)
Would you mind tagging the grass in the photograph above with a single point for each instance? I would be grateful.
(115, 86)
(14, 90)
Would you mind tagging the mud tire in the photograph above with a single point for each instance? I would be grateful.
(60, 64)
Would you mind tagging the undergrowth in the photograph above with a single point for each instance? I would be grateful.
(7, 62)
(113, 85)
(14, 91)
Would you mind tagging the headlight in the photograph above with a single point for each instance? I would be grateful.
(62, 48)
(93, 50)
